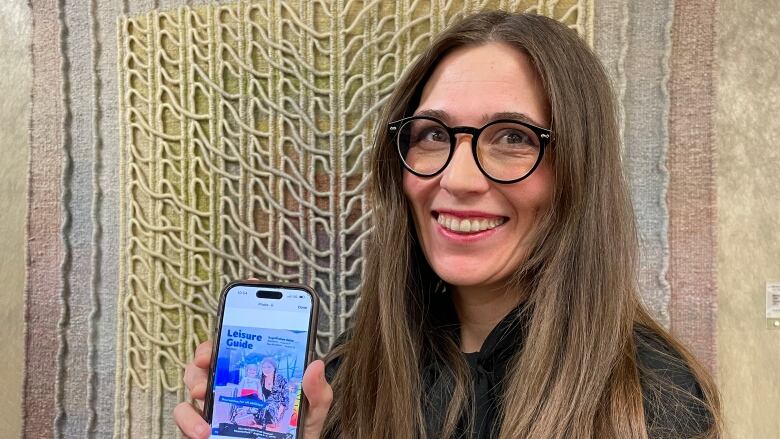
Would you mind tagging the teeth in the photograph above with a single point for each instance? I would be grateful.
(468, 225)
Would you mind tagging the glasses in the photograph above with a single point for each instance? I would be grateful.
(505, 150)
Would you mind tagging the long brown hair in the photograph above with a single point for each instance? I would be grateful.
(577, 375)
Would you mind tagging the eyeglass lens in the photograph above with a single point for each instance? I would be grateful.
(505, 150)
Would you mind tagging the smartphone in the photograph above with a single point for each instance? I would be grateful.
(263, 340)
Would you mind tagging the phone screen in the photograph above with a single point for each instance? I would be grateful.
(262, 353)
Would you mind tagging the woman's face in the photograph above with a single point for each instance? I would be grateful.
(268, 369)
(471, 86)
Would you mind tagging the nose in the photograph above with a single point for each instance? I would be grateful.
(462, 176)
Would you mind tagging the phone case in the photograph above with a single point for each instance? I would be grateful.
(310, 342)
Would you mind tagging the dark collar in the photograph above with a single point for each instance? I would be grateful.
(505, 339)
(488, 369)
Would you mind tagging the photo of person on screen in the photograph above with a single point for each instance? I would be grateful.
(250, 384)
(274, 391)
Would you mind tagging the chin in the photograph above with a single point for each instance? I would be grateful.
(462, 278)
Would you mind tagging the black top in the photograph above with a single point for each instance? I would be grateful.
(266, 391)
(677, 413)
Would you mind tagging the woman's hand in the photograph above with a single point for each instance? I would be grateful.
(186, 415)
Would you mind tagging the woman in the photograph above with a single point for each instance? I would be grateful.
(510, 308)
(274, 391)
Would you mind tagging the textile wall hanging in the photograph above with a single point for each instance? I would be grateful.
(177, 146)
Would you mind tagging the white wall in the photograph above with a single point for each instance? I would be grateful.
(15, 81)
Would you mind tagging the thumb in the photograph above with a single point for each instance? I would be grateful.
(319, 394)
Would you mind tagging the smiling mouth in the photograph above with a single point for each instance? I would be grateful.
(468, 225)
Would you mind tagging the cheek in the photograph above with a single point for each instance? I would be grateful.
(415, 189)
(419, 193)
(534, 194)
(542, 182)
(410, 186)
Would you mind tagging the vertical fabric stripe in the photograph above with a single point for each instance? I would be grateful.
(45, 252)
(632, 39)
(692, 193)
(102, 229)
(97, 227)
(67, 227)
(106, 230)
(78, 201)
(645, 104)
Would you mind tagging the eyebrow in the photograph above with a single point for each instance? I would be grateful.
(445, 117)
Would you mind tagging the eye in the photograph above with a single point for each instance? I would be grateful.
(433, 134)
(428, 134)
(515, 137)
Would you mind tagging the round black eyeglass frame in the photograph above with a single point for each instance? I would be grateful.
(544, 135)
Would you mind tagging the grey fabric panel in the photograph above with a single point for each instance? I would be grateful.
(74, 366)
(632, 38)
(87, 364)
(105, 282)
(610, 41)
(646, 104)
